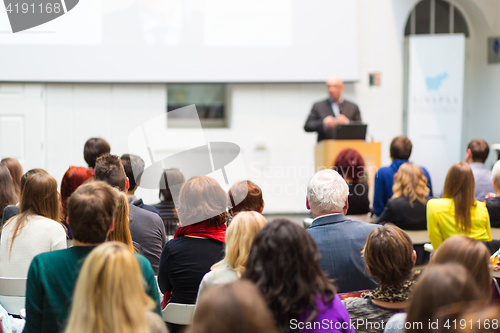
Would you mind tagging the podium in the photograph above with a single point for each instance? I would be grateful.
(326, 152)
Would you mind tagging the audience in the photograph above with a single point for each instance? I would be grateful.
(477, 153)
(16, 171)
(94, 148)
(234, 307)
(134, 168)
(389, 257)
(8, 194)
(73, 177)
(170, 184)
(198, 243)
(470, 253)
(284, 265)
(493, 202)
(13, 210)
(52, 276)
(351, 166)
(439, 285)
(239, 238)
(109, 295)
(384, 179)
(457, 212)
(121, 230)
(339, 240)
(35, 230)
(146, 228)
(245, 196)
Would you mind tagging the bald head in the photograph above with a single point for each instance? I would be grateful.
(335, 88)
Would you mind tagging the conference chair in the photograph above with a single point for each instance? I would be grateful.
(12, 294)
(180, 314)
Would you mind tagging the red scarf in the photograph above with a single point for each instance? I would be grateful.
(203, 230)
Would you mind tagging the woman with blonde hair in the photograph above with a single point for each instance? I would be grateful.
(110, 296)
(457, 212)
(35, 230)
(406, 208)
(121, 232)
(239, 238)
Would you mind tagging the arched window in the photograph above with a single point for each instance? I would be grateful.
(436, 17)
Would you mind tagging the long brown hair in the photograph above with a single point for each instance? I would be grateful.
(39, 197)
(121, 232)
(471, 253)
(410, 182)
(16, 171)
(459, 185)
(7, 190)
(283, 249)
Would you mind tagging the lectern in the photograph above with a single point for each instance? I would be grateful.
(326, 152)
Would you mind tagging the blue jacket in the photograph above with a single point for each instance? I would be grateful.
(384, 179)
(340, 242)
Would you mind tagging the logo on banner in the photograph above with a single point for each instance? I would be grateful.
(435, 82)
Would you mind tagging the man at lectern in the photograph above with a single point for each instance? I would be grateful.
(331, 112)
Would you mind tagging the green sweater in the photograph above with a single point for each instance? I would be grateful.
(51, 281)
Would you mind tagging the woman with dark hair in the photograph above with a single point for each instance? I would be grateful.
(73, 177)
(16, 171)
(8, 194)
(35, 229)
(406, 208)
(198, 243)
(284, 265)
(472, 254)
(457, 212)
(351, 166)
(389, 258)
(234, 307)
(170, 184)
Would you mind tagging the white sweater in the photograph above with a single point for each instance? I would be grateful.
(39, 235)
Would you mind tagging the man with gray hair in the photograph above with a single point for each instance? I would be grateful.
(340, 240)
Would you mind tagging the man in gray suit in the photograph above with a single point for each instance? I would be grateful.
(326, 115)
(340, 240)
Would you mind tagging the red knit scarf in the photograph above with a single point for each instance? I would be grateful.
(203, 230)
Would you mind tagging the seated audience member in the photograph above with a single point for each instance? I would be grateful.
(457, 212)
(13, 210)
(477, 153)
(245, 196)
(198, 243)
(351, 166)
(95, 147)
(470, 253)
(493, 203)
(234, 307)
(239, 238)
(406, 208)
(146, 228)
(121, 230)
(170, 184)
(35, 230)
(284, 265)
(389, 257)
(134, 168)
(52, 276)
(340, 240)
(16, 171)
(73, 177)
(109, 295)
(8, 194)
(438, 286)
(384, 179)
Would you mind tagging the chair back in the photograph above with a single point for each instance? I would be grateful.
(180, 314)
(418, 236)
(12, 294)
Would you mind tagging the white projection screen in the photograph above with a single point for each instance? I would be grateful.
(181, 41)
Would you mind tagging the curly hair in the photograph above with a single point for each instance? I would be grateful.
(410, 182)
(284, 249)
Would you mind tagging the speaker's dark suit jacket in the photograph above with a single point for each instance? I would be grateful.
(321, 110)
